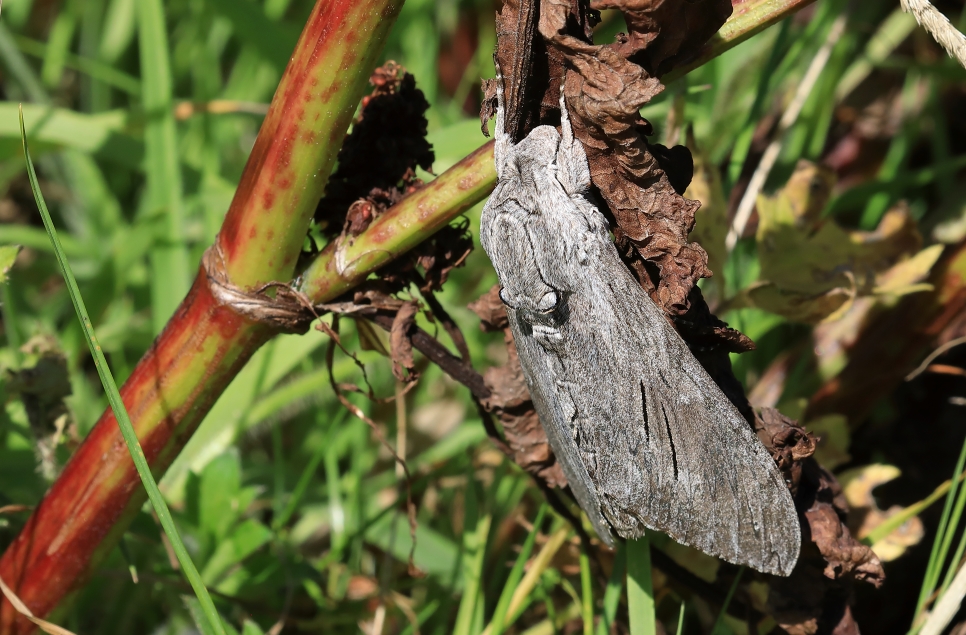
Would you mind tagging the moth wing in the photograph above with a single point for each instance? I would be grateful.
(664, 446)
(556, 406)
(504, 236)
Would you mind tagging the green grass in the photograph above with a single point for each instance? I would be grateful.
(213, 623)
(291, 508)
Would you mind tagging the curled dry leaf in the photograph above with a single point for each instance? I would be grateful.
(814, 599)
(400, 344)
(789, 443)
(663, 34)
(604, 92)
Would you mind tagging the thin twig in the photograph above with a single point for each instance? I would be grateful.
(933, 355)
(788, 119)
(939, 27)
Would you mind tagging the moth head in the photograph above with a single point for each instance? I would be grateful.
(537, 304)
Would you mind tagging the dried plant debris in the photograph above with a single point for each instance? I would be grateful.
(42, 384)
(663, 34)
(814, 599)
(638, 181)
(378, 161)
(376, 170)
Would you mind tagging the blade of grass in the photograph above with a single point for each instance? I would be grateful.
(612, 594)
(896, 157)
(117, 405)
(719, 623)
(640, 591)
(169, 260)
(522, 594)
(303, 483)
(96, 69)
(586, 594)
(680, 628)
(894, 522)
(469, 617)
(934, 565)
(45, 626)
(516, 574)
(947, 605)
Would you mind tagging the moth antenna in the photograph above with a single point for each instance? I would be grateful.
(501, 141)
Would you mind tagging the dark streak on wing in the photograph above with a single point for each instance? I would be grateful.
(670, 440)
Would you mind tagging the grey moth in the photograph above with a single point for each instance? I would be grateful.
(645, 437)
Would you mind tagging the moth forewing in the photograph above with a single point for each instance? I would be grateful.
(644, 436)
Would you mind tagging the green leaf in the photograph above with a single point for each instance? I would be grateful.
(246, 539)
(219, 486)
(8, 255)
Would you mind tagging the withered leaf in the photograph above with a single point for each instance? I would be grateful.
(604, 93)
(789, 443)
(400, 344)
(662, 34)
(378, 159)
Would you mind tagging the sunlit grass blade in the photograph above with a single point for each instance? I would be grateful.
(586, 593)
(680, 628)
(640, 591)
(612, 594)
(469, 618)
(522, 593)
(719, 627)
(169, 259)
(937, 554)
(117, 405)
(499, 620)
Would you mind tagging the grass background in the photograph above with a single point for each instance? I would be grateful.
(288, 505)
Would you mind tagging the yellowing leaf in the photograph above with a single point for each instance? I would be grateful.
(8, 254)
(798, 306)
(813, 271)
(857, 485)
(906, 277)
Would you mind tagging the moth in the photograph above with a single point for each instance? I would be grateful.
(645, 437)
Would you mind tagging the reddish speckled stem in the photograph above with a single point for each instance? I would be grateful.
(204, 345)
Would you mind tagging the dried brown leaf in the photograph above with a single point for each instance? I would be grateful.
(400, 344)
(491, 310)
(663, 34)
(378, 159)
(604, 92)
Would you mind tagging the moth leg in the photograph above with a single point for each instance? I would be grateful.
(502, 146)
(572, 169)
